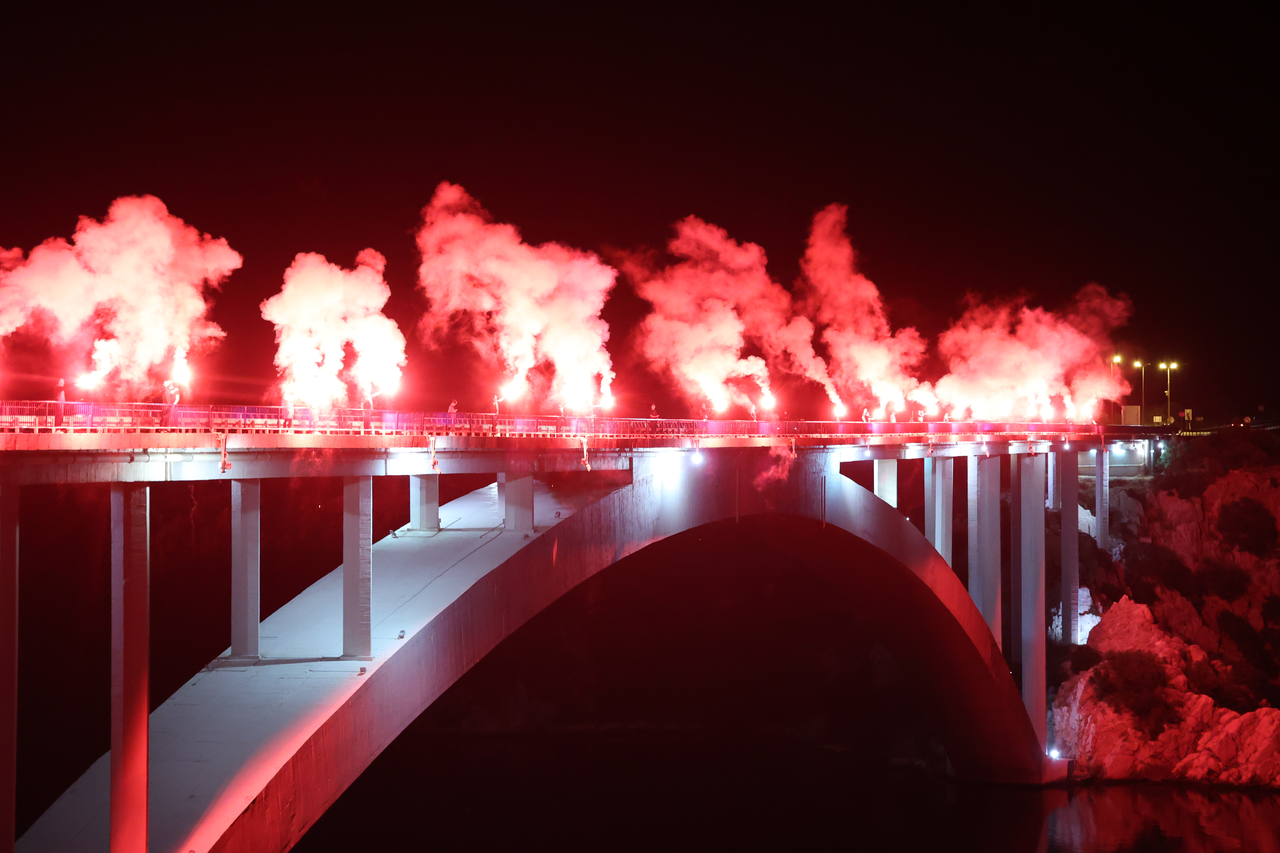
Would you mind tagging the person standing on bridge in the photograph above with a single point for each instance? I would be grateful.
(62, 403)
(171, 396)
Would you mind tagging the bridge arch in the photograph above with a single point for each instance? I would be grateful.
(985, 728)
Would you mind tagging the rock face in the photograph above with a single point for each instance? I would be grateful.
(1203, 743)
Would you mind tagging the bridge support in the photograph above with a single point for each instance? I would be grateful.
(1069, 488)
(1033, 629)
(1053, 484)
(1102, 487)
(424, 502)
(246, 566)
(1015, 559)
(885, 476)
(357, 567)
(8, 664)
(983, 488)
(939, 498)
(130, 676)
(518, 510)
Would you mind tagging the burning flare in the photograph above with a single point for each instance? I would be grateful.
(524, 305)
(132, 288)
(320, 310)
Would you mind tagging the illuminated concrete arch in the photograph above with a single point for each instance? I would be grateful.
(943, 636)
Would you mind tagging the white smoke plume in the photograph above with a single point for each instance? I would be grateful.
(870, 363)
(709, 305)
(520, 304)
(132, 288)
(320, 310)
(1012, 360)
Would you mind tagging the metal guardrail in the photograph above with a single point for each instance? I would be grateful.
(50, 416)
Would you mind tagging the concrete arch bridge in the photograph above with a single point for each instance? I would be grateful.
(251, 751)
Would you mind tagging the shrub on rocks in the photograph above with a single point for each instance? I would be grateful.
(1248, 525)
(1135, 681)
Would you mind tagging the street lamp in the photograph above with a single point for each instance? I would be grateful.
(1142, 409)
(1168, 388)
(1115, 359)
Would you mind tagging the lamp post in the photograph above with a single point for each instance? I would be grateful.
(1142, 408)
(1168, 388)
(1114, 361)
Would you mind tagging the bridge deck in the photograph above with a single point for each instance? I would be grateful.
(217, 741)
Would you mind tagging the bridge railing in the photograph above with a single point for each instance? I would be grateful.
(47, 416)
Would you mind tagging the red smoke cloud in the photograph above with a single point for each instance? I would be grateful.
(320, 310)
(525, 305)
(708, 306)
(133, 286)
(1011, 360)
(870, 363)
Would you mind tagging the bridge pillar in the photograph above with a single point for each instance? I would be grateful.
(1033, 628)
(424, 501)
(1053, 485)
(1069, 487)
(1015, 559)
(357, 567)
(983, 489)
(518, 512)
(1102, 493)
(885, 475)
(246, 566)
(943, 507)
(8, 664)
(130, 677)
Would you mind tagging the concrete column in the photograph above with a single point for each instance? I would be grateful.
(246, 566)
(984, 539)
(1015, 559)
(944, 502)
(130, 653)
(502, 496)
(357, 567)
(885, 475)
(1033, 628)
(8, 664)
(424, 501)
(1053, 498)
(519, 504)
(1069, 486)
(931, 501)
(1102, 504)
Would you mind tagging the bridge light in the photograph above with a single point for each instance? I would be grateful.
(697, 457)
(1053, 753)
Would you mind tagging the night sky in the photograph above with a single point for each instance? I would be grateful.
(979, 153)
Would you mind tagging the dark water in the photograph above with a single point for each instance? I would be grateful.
(629, 791)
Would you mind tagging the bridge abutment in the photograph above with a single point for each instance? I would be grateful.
(130, 665)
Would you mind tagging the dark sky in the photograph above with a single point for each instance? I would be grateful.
(985, 153)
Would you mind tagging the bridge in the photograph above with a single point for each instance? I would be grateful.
(253, 749)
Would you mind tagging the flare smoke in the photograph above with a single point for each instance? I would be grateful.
(525, 305)
(320, 310)
(709, 305)
(132, 287)
(868, 359)
(1012, 360)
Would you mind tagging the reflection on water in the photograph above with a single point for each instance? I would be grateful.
(685, 791)
(1148, 817)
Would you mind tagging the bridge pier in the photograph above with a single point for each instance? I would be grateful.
(518, 510)
(357, 567)
(983, 488)
(885, 480)
(1102, 493)
(246, 567)
(8, 665)
(130, 664)
(939, 500)
(1069, 488)
(1031, 474)
(1015, 558)
(424, 502)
